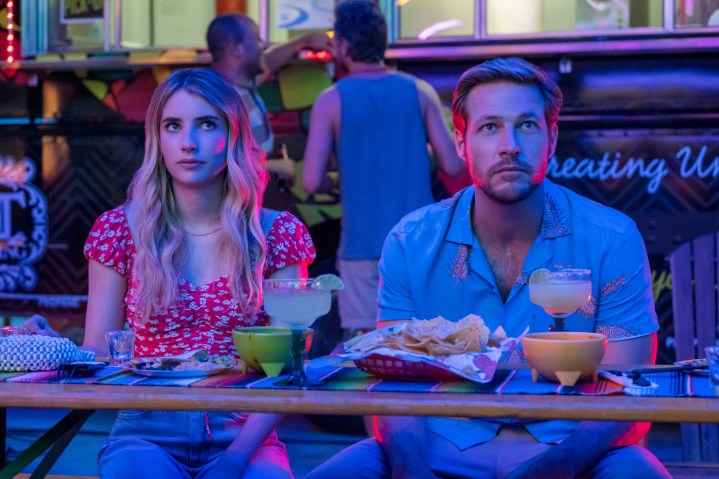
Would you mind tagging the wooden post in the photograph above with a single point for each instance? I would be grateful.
(230, 6)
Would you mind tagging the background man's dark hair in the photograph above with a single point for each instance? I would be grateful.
(361, 24)
(225, 30)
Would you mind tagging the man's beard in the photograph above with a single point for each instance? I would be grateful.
(511, 197)
(514, 195)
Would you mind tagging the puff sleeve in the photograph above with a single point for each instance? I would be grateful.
(288, 243)
(110, 241)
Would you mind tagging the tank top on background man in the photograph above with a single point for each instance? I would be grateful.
(384, 164)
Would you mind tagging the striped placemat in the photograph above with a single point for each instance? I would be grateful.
(669, 384)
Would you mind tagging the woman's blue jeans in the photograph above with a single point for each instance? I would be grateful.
(182, 444)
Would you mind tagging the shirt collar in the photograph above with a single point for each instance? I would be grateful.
(556, 221)
(459, 229)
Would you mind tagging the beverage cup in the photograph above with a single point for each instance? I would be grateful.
(120, 345)
(6, 331)
(713, 364)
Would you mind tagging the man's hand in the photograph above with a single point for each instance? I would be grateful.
(284, 168)
(316, 41)
(550, 465)
(280, 55)
(404, 440)
(424, 474)
(39, 325)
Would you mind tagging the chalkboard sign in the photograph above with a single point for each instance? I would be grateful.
(78, 11)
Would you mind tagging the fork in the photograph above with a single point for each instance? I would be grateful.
(636, 374)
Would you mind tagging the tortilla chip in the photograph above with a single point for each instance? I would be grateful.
(435, 337)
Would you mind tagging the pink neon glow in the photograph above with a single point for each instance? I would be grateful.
(10, 58)
(438, 27)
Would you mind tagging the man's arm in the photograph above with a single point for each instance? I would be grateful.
(404, 440)
(394, 296)
(586, 446)
(439, 136)
(283, 167)
(278, 56)
(324, 124)
(578, 453)
(641, 350)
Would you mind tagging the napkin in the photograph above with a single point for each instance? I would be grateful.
(628, 382)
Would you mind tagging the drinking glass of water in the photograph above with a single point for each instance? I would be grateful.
(120, 345)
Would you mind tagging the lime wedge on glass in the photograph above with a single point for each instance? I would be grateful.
(328, 282)
(540, 275)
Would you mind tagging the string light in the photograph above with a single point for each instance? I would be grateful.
(10, 32)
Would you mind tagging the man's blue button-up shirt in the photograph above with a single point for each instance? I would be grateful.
(432, 265)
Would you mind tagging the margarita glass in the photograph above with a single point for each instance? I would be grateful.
(561, 292)
(296, 303)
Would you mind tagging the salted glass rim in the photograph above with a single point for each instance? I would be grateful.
(287, 282)
(562, 271)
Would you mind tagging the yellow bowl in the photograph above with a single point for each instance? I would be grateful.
(265, 349)
(564, 356)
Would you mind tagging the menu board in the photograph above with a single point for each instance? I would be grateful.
(78, 11)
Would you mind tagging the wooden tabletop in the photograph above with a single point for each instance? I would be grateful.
(617, 407)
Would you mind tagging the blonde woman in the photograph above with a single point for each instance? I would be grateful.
(183, 262)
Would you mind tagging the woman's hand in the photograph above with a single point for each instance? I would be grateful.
(229, 466)
(39, 325)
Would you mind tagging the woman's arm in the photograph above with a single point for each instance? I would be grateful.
(236, 458)
(105, 305)
(105, 308)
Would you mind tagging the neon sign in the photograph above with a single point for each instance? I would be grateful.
(23, 224)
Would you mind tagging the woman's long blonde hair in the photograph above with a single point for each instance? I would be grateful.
(160, 245)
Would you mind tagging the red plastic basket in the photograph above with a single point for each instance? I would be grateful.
(387, 367)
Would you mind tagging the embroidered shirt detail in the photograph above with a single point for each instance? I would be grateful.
(554, 224)
(451, 202)
(589, 310)
(613, 286)
(521, 279)
(618, 332)
(459, 269)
